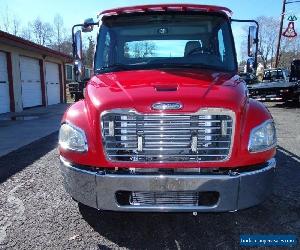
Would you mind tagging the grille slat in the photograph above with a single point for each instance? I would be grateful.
(164, 148)
(164, 198)
(189, 138)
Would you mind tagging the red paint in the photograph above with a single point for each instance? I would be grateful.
(64, 84)
(61, 86)
(195, 89)
(43, 85)
(167, 7)
(11, 82)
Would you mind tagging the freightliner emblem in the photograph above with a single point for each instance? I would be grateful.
(167, 106)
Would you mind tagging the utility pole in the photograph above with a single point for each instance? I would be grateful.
(280, 33)
(284, 3)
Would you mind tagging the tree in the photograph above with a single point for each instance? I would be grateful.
(290, 50)
(6, 22)
(267, 38)
(66, 46)
(16, 25)
(143, 49)
(89, 53)
(42, 32)
(58, 25)
(26, 32)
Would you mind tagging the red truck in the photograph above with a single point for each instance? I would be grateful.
(166, 123)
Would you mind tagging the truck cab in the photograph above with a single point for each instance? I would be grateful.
(276, 75)
(166, 124)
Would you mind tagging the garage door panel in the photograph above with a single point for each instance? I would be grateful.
(31, 82)
(52, 83)
(30, 96)
(4, 85)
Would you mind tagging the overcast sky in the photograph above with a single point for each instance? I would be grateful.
(74, 11)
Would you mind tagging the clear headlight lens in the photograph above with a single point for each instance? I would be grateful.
(263, 137)
(72, 138)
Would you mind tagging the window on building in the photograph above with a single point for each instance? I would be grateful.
(87, 73)
(69, 72)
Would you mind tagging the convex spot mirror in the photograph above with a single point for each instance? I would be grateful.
(252, 41)
(88, 25)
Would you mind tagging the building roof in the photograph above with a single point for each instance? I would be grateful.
(167, 7)
(19, 42)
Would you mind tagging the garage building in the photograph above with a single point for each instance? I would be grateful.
(30, 74)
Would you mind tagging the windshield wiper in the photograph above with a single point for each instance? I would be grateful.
(112, 67)
(184, 65)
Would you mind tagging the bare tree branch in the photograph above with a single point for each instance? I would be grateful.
(42, 32)
(58, 25)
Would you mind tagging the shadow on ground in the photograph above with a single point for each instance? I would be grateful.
(9, 165)
(278, 215)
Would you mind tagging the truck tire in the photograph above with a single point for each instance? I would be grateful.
(78, 97)
(296, 100)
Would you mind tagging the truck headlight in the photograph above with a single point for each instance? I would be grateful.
(72, 138)
(263, 137)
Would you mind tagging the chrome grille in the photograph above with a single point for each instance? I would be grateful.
(203, 136)
(183, 198)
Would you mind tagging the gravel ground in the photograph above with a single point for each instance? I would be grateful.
(36, 212)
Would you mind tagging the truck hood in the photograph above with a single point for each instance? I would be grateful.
(140, 89)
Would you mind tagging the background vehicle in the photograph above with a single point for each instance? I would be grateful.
(166, 123)
(295, 71)
(276, 86)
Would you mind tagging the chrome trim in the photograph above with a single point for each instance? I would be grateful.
(167, 106)
(237, 191)
(254, 130)
(80, 130)
(202, 111)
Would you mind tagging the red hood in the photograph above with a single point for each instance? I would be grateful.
(193, 88)
(141, 88)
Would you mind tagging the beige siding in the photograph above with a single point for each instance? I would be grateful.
(16, 52)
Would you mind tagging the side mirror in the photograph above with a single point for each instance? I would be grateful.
(88, 25)
(78, 45)
(252, 41)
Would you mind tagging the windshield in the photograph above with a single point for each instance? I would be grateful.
(165, 40)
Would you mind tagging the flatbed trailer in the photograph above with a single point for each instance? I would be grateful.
(276, 86)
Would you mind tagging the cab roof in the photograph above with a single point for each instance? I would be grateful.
(166, 8)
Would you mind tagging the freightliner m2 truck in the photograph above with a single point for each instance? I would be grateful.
(166, 124)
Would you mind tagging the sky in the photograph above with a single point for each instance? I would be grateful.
(75, 11)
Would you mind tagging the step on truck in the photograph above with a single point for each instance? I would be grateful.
(166, 124)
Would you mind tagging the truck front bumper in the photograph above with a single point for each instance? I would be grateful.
(98, 189)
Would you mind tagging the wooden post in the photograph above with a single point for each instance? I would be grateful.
(280, 33)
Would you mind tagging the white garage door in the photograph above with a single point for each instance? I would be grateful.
(4, 86)
(52, 83)
(31, 82)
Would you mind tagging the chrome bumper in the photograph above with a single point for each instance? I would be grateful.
(98, 189)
